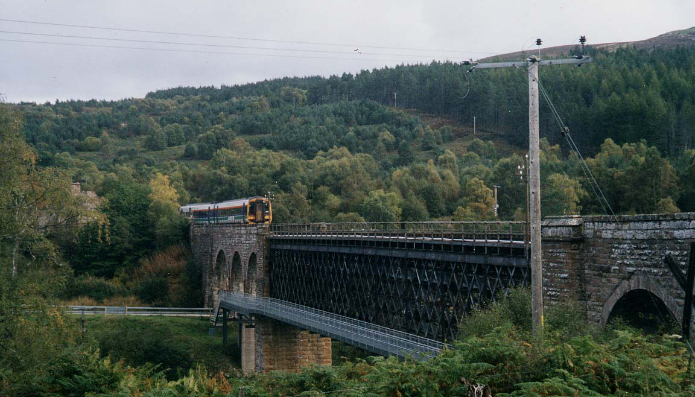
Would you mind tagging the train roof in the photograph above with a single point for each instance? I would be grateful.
(196, 206)
(222, 204)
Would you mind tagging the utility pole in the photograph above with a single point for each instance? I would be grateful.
(395, 103)
(527, 192)
(534, 206)
(496, 206)
(521, 171)
(473, 125)
(534, 182)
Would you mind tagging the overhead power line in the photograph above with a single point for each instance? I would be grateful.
(598, 192)
(214, 45)
(200, 51)
(238, 37)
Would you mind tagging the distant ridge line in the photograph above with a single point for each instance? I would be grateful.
(676, 38)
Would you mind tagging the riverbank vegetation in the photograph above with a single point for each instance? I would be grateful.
(496, 354)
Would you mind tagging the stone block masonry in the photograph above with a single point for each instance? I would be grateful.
(235, 257)
(596, 259)
(282, 347)
(232, 257)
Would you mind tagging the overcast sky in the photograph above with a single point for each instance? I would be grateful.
(472, 28)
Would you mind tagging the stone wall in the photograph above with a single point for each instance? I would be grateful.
(246, 241)
(282, 347)
(234, 257)
(597, 259)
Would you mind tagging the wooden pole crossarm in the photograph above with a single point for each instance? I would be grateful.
(520, 64)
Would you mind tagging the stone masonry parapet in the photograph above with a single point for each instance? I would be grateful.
(597, 259)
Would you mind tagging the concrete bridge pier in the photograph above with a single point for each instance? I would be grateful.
(247, 346)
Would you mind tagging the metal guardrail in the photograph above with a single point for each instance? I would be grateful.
(372, 337)
(141, 311)
(499, 232)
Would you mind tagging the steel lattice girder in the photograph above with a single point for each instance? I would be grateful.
(422, 294)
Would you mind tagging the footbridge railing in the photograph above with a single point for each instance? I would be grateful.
(371, 337)
(140, 311)
(493, 232)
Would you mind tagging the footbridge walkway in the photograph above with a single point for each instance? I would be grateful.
(371, 337)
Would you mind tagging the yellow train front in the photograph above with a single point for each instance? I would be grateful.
(252, 210)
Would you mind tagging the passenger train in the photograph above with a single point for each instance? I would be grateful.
(252, 210)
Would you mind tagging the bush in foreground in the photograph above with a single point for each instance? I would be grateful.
(499, 358)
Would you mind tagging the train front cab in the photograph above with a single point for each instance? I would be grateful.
(259, 211)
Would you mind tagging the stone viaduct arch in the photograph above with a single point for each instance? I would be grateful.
(640, 283)
(597, 260)
(251, 277)
(243, 249)
(236, 274)
(238, 247)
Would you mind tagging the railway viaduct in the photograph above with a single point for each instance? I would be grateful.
(422, 278)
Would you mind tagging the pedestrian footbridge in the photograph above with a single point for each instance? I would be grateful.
(371, 337)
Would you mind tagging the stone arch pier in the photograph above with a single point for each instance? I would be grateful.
(597, 260)
(234, 257)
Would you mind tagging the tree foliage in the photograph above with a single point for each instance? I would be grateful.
(331, 149)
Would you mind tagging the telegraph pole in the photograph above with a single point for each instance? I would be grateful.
(534, 174)
(496, 206)
(535, 193)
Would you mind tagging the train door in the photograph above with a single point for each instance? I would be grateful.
(260, 212)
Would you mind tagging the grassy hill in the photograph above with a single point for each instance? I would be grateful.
(670, 40)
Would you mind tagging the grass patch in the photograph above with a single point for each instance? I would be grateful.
(176, 344)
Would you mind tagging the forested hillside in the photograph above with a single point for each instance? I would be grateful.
(626, 95)
(335, 149)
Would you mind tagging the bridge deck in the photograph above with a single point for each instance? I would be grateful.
(452, 239)
(486, 233)
(371, 337)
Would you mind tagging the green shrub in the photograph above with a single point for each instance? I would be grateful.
(514, 309)
(96, 288)
(153, 289)
(190, 151)
(90, 144)
(192, 295)
(565, 318)
(130, 340)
